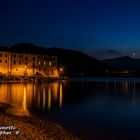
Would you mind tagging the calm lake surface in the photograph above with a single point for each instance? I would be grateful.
(93, 108)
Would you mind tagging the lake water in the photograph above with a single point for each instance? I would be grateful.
(93, 108)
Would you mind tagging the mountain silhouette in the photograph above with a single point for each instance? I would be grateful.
(124, 63)
(78, 63)
(27, 48)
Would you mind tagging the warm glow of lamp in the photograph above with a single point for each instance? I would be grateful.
(61, 69)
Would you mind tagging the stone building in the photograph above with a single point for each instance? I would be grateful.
(14, 63)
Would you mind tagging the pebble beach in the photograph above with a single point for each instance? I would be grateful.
(31, 128)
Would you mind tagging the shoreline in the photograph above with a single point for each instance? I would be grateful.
(33, 128)
(65, 79)
(56, 79)
(32, 80)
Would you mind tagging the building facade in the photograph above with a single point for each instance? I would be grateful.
(28, 64)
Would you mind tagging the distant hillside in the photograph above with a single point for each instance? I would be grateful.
(4, 48)
(124, 63)
(27, 48)
(77, 62)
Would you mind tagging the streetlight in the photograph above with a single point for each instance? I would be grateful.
(61, 69)
(61, 72)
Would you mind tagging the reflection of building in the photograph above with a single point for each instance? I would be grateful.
(31, 97)
(27, 64)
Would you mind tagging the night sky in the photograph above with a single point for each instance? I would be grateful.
(100, 28)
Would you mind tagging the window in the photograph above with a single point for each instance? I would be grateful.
(14, 62)
(19, 56)
(5, 61)
(50, 63)
(0, 55)
(0, 61)
(14, 56)
(33, 58)
(19, 62)
(44, 69)
(39, 62)
(53, 58)
(5, 55)
(44, 63)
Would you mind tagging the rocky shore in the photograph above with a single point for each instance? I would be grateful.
(31, 128)
(30, 79)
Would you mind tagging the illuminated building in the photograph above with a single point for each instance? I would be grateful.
(14, 63)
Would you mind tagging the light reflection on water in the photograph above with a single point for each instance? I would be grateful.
(24, 96)
(44, 96)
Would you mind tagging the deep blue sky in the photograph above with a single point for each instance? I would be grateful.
(101, 28)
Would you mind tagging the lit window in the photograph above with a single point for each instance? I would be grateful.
(44, 63)
(50, 63)
(39, 62)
